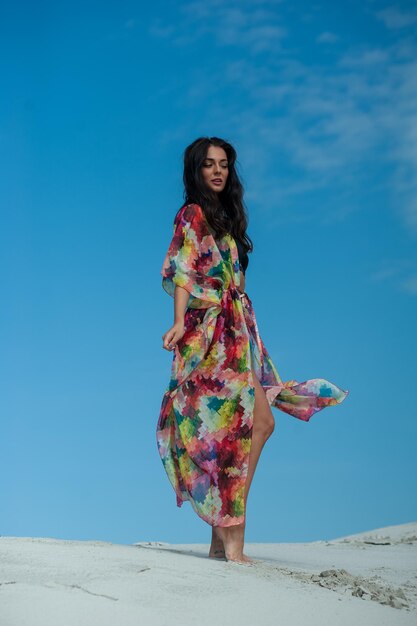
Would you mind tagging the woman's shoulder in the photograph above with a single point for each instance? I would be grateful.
(189, 212)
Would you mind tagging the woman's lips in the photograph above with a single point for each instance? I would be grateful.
(217, 181)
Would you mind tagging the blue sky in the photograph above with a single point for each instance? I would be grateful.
(99, 102)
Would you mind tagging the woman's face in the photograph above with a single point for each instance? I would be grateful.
(215, 168)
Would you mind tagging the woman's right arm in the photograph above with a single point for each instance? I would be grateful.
(176, 331)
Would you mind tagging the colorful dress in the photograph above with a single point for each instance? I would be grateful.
(204, 430)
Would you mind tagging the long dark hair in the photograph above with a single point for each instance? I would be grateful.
(233, 219)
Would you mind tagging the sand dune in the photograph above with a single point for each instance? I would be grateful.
(367, 578)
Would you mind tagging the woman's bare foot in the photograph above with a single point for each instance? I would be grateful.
(217, 547)
(233, 538)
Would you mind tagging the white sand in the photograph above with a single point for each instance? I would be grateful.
(371, 579)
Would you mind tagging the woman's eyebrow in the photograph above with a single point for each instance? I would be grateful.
(211, 159)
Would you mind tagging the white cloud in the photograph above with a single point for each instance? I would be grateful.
(329, 123)
(399, 272)
(327, 37)
(394, 17)
(410, 285)
(235, 23)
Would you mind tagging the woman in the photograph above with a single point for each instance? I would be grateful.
(216, 412)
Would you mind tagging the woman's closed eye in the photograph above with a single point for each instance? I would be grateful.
(209, 164)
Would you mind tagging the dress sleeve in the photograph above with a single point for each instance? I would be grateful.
(193, 260)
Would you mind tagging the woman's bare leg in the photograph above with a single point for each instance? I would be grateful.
(217, 547)
(263, 427)
(233, 537)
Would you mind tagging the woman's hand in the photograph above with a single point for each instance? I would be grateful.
(173, 335)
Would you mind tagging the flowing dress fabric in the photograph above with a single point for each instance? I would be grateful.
(204, 430)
